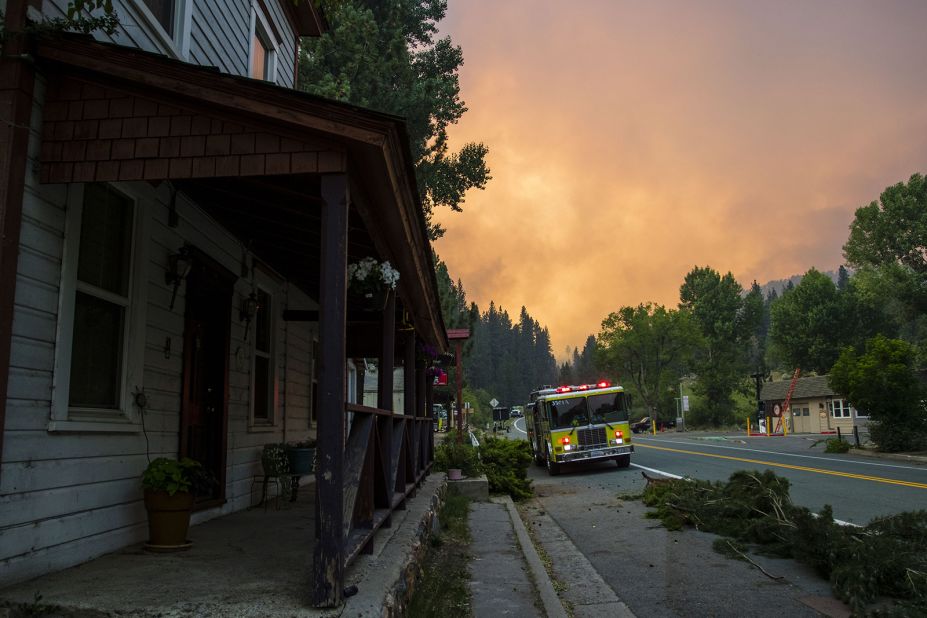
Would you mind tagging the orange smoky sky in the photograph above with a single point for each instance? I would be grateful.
(633, 140)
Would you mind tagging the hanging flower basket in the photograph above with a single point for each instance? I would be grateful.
(370, 282)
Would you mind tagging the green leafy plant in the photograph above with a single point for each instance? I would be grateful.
(837, 445)
(449, 454)
(173, 475)
(505, 463)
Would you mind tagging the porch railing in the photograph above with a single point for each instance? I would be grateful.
(386, 457)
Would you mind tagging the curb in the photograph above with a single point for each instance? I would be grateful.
(552, 606)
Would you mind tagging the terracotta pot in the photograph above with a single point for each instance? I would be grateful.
(168, 518)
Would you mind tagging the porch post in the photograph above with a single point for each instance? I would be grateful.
(387, 363)
(420, 387)
(328, 558)
(429, 412)
(408, 374)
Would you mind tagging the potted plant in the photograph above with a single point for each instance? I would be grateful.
(369, 281)
(170, 486)
(300, 456)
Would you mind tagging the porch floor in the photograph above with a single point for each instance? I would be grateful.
(250, 563)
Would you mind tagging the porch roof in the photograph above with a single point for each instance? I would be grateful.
(250, 151)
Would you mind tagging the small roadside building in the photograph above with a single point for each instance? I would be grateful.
(814, 407)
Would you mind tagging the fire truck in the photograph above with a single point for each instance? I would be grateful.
(575, 424)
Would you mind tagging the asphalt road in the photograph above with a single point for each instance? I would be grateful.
(858, 488)
(661, 573)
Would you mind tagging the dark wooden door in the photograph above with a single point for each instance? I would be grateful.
(204, 410)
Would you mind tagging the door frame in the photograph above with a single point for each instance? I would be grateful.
(225, 280)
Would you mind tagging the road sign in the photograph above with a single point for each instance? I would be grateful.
(685, 403)
(494, 402)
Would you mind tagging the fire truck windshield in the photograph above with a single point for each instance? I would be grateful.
(575, 411)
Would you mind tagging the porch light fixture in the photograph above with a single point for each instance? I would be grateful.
(248, 309)
(178, 267)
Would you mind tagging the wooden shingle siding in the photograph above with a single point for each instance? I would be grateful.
(143, 140)
(221, 35)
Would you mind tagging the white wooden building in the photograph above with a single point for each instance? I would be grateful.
(165, 281)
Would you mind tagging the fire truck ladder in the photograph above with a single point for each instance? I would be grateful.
(788, 400)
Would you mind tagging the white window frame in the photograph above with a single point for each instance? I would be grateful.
(846, 410)
(126, 417)
(176, 46)
(265, 283)
(260, 26)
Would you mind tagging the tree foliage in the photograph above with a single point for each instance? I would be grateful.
(716, 304)
(651, 347)
(807, 327)
(508, 359)
(883, 383)
(386, 56)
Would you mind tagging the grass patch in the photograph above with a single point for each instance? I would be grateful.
(444, 589)
(885, 559)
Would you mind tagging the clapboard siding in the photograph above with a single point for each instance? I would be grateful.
(49, 559)
(221, 34)
(68, 497)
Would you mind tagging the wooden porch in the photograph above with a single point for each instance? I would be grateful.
(307, 185)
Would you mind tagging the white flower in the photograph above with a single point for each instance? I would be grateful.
(368, 272)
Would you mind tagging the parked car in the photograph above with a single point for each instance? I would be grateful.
(645, 424)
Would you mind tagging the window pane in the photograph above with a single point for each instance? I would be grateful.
(96, 356)
(105, 240)
(259, 59)
(263, 321)
(261, 388)
(163, 11)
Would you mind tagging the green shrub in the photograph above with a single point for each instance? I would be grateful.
(450, 454)
(505, 463)
(837, 445)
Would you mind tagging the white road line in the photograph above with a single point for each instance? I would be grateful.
(655, 471)
(756, 450)
(839, 522)
(515, 426)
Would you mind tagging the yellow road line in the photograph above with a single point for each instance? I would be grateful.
(876, 479)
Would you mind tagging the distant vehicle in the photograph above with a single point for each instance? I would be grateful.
(516, 412)
(645, 424)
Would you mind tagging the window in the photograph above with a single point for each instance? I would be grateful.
(165, 23)
(263, 393)
(101, 325)
(839, 408)
(263, 50)
(163, 12)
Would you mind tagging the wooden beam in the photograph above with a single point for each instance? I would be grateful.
(328, 559)
(408, 373)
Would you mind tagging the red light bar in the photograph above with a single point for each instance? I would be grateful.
(563, 389)
(584, 387)
(603, 384)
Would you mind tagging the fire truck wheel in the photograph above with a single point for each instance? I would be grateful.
(623, 461)
(553, 468)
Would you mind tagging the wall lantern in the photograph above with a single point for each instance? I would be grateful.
(178, 267)
(248, 309)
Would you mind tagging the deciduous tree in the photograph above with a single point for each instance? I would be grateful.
(884, 384)
(385, 55)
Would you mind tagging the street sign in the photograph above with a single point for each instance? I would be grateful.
(494, 402)
(685, 403)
